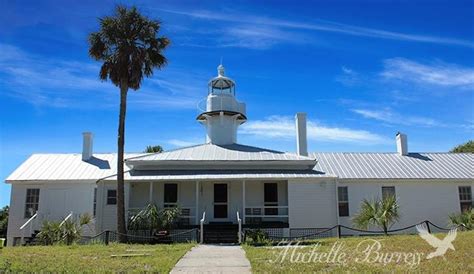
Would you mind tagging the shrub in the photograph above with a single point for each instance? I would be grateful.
(257, 237)
(465, 219)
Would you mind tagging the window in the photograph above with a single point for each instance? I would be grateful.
(32, 201)
(95, 202)
(171, 195)
(271, 198)
(343, 200)
(465, 198)
(388, 191)
(111, 197)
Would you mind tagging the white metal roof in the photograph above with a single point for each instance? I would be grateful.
(394, 166)
(212, 152)
(224, 157)
(54, 167)
(39, 167)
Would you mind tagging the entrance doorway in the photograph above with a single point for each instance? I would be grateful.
(221, 202)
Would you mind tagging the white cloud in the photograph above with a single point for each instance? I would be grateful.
(439, 74)
(257, 37)
(62, 83)
(390, 117)
(283, 127)
(320, 25)
(183, 143)
(348, 76)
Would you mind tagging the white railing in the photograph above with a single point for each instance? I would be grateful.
(262, 214)
(65, 219)
(201, 240)
(259, 212)
(30, 222)
(239, 221)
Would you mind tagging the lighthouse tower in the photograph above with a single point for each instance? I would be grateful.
(223, 112)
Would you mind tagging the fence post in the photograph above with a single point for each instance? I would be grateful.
(339, 231)
(427, 223)
(107, 237)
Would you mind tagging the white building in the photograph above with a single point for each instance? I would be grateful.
(287, 192)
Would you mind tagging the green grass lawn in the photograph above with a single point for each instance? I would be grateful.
(91, 258)
(269, 260)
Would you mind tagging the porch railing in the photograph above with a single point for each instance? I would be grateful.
(239, 221)
(28, 226)
(201, 239)
(256, 214)
(67, 218)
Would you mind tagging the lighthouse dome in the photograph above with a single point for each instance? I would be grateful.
(221, 83)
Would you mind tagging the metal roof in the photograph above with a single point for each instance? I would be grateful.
(54, 167)
(212, 152)
(170, 175)
(394, 166)
(39, 167)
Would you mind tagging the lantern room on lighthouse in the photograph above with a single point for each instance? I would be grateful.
(224, 114)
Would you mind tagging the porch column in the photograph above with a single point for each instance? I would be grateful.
(127, 190)
(151, 193)
(243, 201)
(197, 203)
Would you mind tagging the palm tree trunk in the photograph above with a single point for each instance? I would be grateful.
(120, 157)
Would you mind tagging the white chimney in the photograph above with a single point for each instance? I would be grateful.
(301, 138)
(86, 146)
(402, 145)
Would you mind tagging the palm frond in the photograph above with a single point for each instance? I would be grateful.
(129, 46)
(377, 212)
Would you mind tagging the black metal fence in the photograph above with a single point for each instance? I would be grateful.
(273, 234)
(342, 231)
(143, 237)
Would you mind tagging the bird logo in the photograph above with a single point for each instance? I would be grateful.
(441, 246)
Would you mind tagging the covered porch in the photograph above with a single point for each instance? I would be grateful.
(262, 203)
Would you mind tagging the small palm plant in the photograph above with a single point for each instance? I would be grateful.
(72, 230)
(465, 219)
(379, 212)
(68, 232)
(50, 233)
(71, 233)
(152, 218)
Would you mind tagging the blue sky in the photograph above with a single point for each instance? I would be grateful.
(362, 71)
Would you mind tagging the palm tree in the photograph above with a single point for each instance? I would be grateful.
(382, 213)
(128, 45)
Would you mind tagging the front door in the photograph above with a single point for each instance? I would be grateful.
(220, 202)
